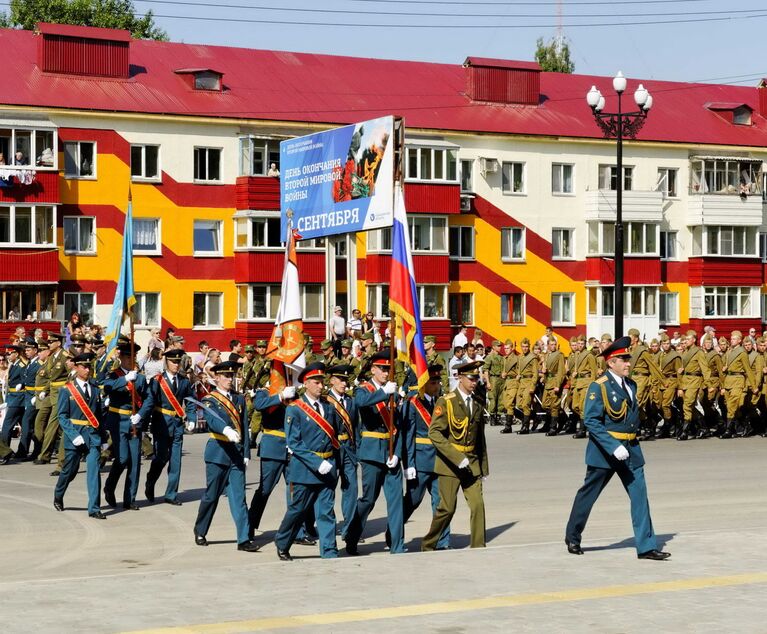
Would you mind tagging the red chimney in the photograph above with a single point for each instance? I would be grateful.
(503, 81)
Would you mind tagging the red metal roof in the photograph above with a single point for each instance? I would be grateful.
(501, 63)
(90, 32)
(277, 85)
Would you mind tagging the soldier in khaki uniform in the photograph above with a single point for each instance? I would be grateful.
(695, 373)
(567, 390)
(750, 412)
(738, 381)
(41, 403)
(510, 377)
(57, 372)
(656, 386)
(585, 371)
(670, 364)
(528, 369)
(642, 368)
(255, 375)
(457, 432)
(553, 377)
(709, 393)
(434, 358)
(361, 364)
(605, 341)
(492, 370)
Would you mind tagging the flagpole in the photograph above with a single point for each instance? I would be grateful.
(132, 335)
(392, 354)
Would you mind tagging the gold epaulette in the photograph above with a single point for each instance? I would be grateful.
(602, 379)
(449, 395)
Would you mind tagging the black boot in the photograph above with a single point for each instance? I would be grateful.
(572, 423)
(507, 426)
(550, 427)
(525, 429)
(683, 435)
(580, 431)
(728, 429)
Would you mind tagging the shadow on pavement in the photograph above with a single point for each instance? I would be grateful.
(629, 543)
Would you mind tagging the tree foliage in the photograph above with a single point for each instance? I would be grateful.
(554, 57)
(111, 14)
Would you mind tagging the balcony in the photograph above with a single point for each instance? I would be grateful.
(724, 209)
(44, 187)
(29, 265)
(640, 206)
(257, 192)
(430, 198)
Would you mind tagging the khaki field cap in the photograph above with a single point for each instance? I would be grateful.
(633, 332)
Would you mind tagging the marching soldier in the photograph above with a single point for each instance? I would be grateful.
(227, 454)
(15, 397)
(28, 420)
(709, 393)
(362, 363)
(256, 372)
(552, 379)
(129, 405)
(670, 364)
(510, 376)
(750, 412)
(39, 402)
(379, 469)
(585, 371)
(346, 352)
(169, 410)
(528, 378)
(457, 432)
(738, 381)
(312, 436)
(642, 369)
(695, 373)
(605, 341)
(492, 371)
(328, 354)
(57, 374)
(81, 415)
(612, 420)
(421, 456)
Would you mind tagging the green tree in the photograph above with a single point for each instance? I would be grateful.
(554, 57)
(111, 14)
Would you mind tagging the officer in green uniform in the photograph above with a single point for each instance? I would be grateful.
(492, 370)
(457, 432)
(57, 373)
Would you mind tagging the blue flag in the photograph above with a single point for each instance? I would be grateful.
(125, 298)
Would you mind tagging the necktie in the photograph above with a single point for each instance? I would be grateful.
(87, 392)
(173, 383)
(626, 389)
(317, 407)
(468, 404)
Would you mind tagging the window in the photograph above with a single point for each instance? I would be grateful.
(763, 246)
(728, 301)
(669, 308)
(80, 159)
(25, 225)
(80, 234)
(379, 240)
(725, 176)
(608, 177)
(145, 162)
(258, 155)
(432, 300)
(513, 178)
(207, 164)
(462, 243)
(513, 308)
(461, 308)
(639, 238)
(28, 302)
(467, 166)
(147, 310)
(724, 240)
(512, 243)
(378, 300)
(82, 303)
(207, 237)
(562, 178)
(764, 308)
(427, 233)
(208, 310)
(668, 245)
(207, 80)
(638, 301)
(146, 236)
(425, 163)
(562, 244)
(667, 182)
(261, 301)
(563, 309)
(25, 147)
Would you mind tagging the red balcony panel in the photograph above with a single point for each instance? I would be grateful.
(635, 270)
(258, 192)
(674, 272)
(432, 199)
(429, 269)
(29, 265)
(725, 326)
(252, 267)
(441, 329)
(44, 189)
(251, 331)
(725, 272)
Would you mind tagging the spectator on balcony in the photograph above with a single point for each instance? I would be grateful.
(460, 338)
(46, 158)
(20, 159)
(273, 170)
(69, 329)
(2, 158)
(13, 314)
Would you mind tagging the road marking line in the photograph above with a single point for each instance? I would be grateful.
(463, 605)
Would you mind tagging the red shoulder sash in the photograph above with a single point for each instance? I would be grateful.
(382, 410)
(230, 409)
(170, 396)
(344, 416)
(131, 387)
(424, 413)
(89, 415)
(319, 421)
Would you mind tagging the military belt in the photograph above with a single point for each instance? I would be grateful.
(423, 441)
(323, 454)
(37, 389)
(376, 434)
(77, 421)
(13, 390)
(274, 432)
(169, 412)
(640, 374)
(693, 374)
(463, 448)
(618, 435)
(494, 376)
(117, 410)
(736, 373)
(58, 383)
(584, 375)
(220, 437)
(343, 436)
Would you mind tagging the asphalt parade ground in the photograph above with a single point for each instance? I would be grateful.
(141, 571)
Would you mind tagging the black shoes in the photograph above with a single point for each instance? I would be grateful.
(200, 540)
(351, 549)
(7, 458)
(655, 555)
(131, 507)
(37, 461)
(58, 504)
(172, 502)
(149, 492)
(306, 541)
(98, 515)
(55, 473)
(284, 555)
(110, 498)
(507, 430)
(248, 546)
(573, 549)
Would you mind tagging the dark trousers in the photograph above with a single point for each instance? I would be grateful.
(217, 479)
(127, 450)
(168, 447)
(349, 491)
(27, 430)
(92, 470)
(271, 472)
(302, 499)
(13, 415)
(634, 482)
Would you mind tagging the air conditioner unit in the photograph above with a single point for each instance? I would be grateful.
(466, 203)
(488, 165)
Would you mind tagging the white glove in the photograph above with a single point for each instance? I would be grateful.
(464, 464)
(401, 393)
(131, 376)
(78, 440)
(190, 425)
(135, 419)
(621, 453)
(410, 473)
(252, 393)
(288, 392)
(247, 461)
(3, 405)
(19, 386)
(106, 401)
(231, 434)
(34, 400)
(42, 395)
(325, 467)
(104, 446)
(389, 388)
(392, 462)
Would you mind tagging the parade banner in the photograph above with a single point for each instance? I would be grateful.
(338, 181)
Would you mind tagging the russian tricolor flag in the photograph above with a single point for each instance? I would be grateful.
(403, 295)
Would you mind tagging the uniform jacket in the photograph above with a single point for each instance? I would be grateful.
(737, 370)
(585, 369)
(695, 370)
(642, 363)
(370, 447)
(310, 445)
(220, 450)
(272, 444)
(30, 377)
(72, 420)
(16, 375)
(160, 408)
(420, 448)
(555, 370)
(451, 428)
(115, 388)
(348, 445)
(599, 422)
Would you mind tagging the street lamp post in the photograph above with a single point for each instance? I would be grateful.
(617, 125)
